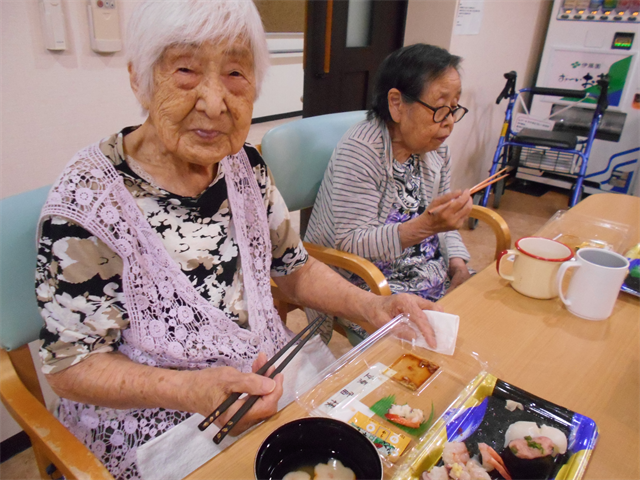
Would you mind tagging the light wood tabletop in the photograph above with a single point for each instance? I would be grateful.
(592, 368)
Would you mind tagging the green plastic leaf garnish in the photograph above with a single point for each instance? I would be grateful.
(383, 405)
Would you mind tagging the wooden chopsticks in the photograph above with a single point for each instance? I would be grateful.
(311, 328)
(475, 189)
(489, 181)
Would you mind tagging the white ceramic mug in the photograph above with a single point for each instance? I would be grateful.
(595, 284)
(535, 267)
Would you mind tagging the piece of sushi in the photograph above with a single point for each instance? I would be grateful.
(457, 464)
(530, 457)
(476, 472)
(405, 415)
(520, 430)
(558, 438)
(436, 473)
(455, 452)
(491, 460)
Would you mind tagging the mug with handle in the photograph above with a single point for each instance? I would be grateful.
(536, 264)
(594, 287)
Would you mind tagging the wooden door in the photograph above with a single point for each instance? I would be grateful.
(338, 78)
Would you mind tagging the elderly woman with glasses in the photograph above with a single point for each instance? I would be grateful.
(386, 193)
(157, 246)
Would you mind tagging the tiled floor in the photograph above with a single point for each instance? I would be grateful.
(20, 467)
(524, 214)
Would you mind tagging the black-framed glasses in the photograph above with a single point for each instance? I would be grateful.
(440, 114)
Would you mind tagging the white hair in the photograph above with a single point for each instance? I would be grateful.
(158, 24)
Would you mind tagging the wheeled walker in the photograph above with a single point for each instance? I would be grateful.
(560, 151)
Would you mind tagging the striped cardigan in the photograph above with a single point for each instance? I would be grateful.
(358, 191)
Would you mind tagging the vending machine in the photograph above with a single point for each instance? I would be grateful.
(586, 39)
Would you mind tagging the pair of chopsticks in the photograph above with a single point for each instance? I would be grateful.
(475, 189)
(489, 181)
(312, 328)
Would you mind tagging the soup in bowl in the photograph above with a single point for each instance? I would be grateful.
(318, 444)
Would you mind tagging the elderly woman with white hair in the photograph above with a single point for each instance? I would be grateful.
(157, 245)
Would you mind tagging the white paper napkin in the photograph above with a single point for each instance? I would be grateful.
(445, 327)
(178, 452)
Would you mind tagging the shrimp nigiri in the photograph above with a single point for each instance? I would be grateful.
(491, 460)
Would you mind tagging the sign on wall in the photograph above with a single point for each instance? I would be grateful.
(468, 17)
(580, 70)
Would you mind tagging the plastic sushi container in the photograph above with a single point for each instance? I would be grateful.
(460, 400)
(580, 231)
(360, 387)
(480, 415)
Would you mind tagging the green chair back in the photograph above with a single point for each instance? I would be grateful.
(20, 321)
(298, 154)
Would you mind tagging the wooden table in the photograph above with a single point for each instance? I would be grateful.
(589, 367)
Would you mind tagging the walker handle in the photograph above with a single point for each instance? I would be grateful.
(603, 98)
(510, 87)
(557, 92)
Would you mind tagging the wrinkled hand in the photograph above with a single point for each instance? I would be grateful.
(220, 382)
(448, 212)
(458, 272)
(385, 308)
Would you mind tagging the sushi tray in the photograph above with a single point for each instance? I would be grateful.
(632, 282)
(391, 389)
(498, 425)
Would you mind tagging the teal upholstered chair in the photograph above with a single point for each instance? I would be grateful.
(298, 154)
(20, 323)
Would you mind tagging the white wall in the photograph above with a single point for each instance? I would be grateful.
(511, 38)
(53, 104)
(430, 21)
(283, 87)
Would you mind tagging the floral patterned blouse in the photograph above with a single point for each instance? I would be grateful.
(420, 269)
(78, 278)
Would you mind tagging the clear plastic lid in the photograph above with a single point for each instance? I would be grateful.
(579, 231)
(391, 389)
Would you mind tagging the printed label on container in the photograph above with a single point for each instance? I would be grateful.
(389, 443)
(348, 398)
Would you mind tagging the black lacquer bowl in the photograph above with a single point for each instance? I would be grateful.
(309, 441)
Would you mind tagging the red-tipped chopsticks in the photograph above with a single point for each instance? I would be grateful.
(475, 189)
(311, 328)
(489, 181)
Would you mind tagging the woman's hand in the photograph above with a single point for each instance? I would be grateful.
(385, 308)
(458, 272)
(341, 298)
(448, 212)
(445, 213)
(229, 380)
(113, 380)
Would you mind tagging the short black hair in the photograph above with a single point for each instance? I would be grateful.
(410, 69)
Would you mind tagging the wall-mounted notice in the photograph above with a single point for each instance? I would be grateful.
(469, 17)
